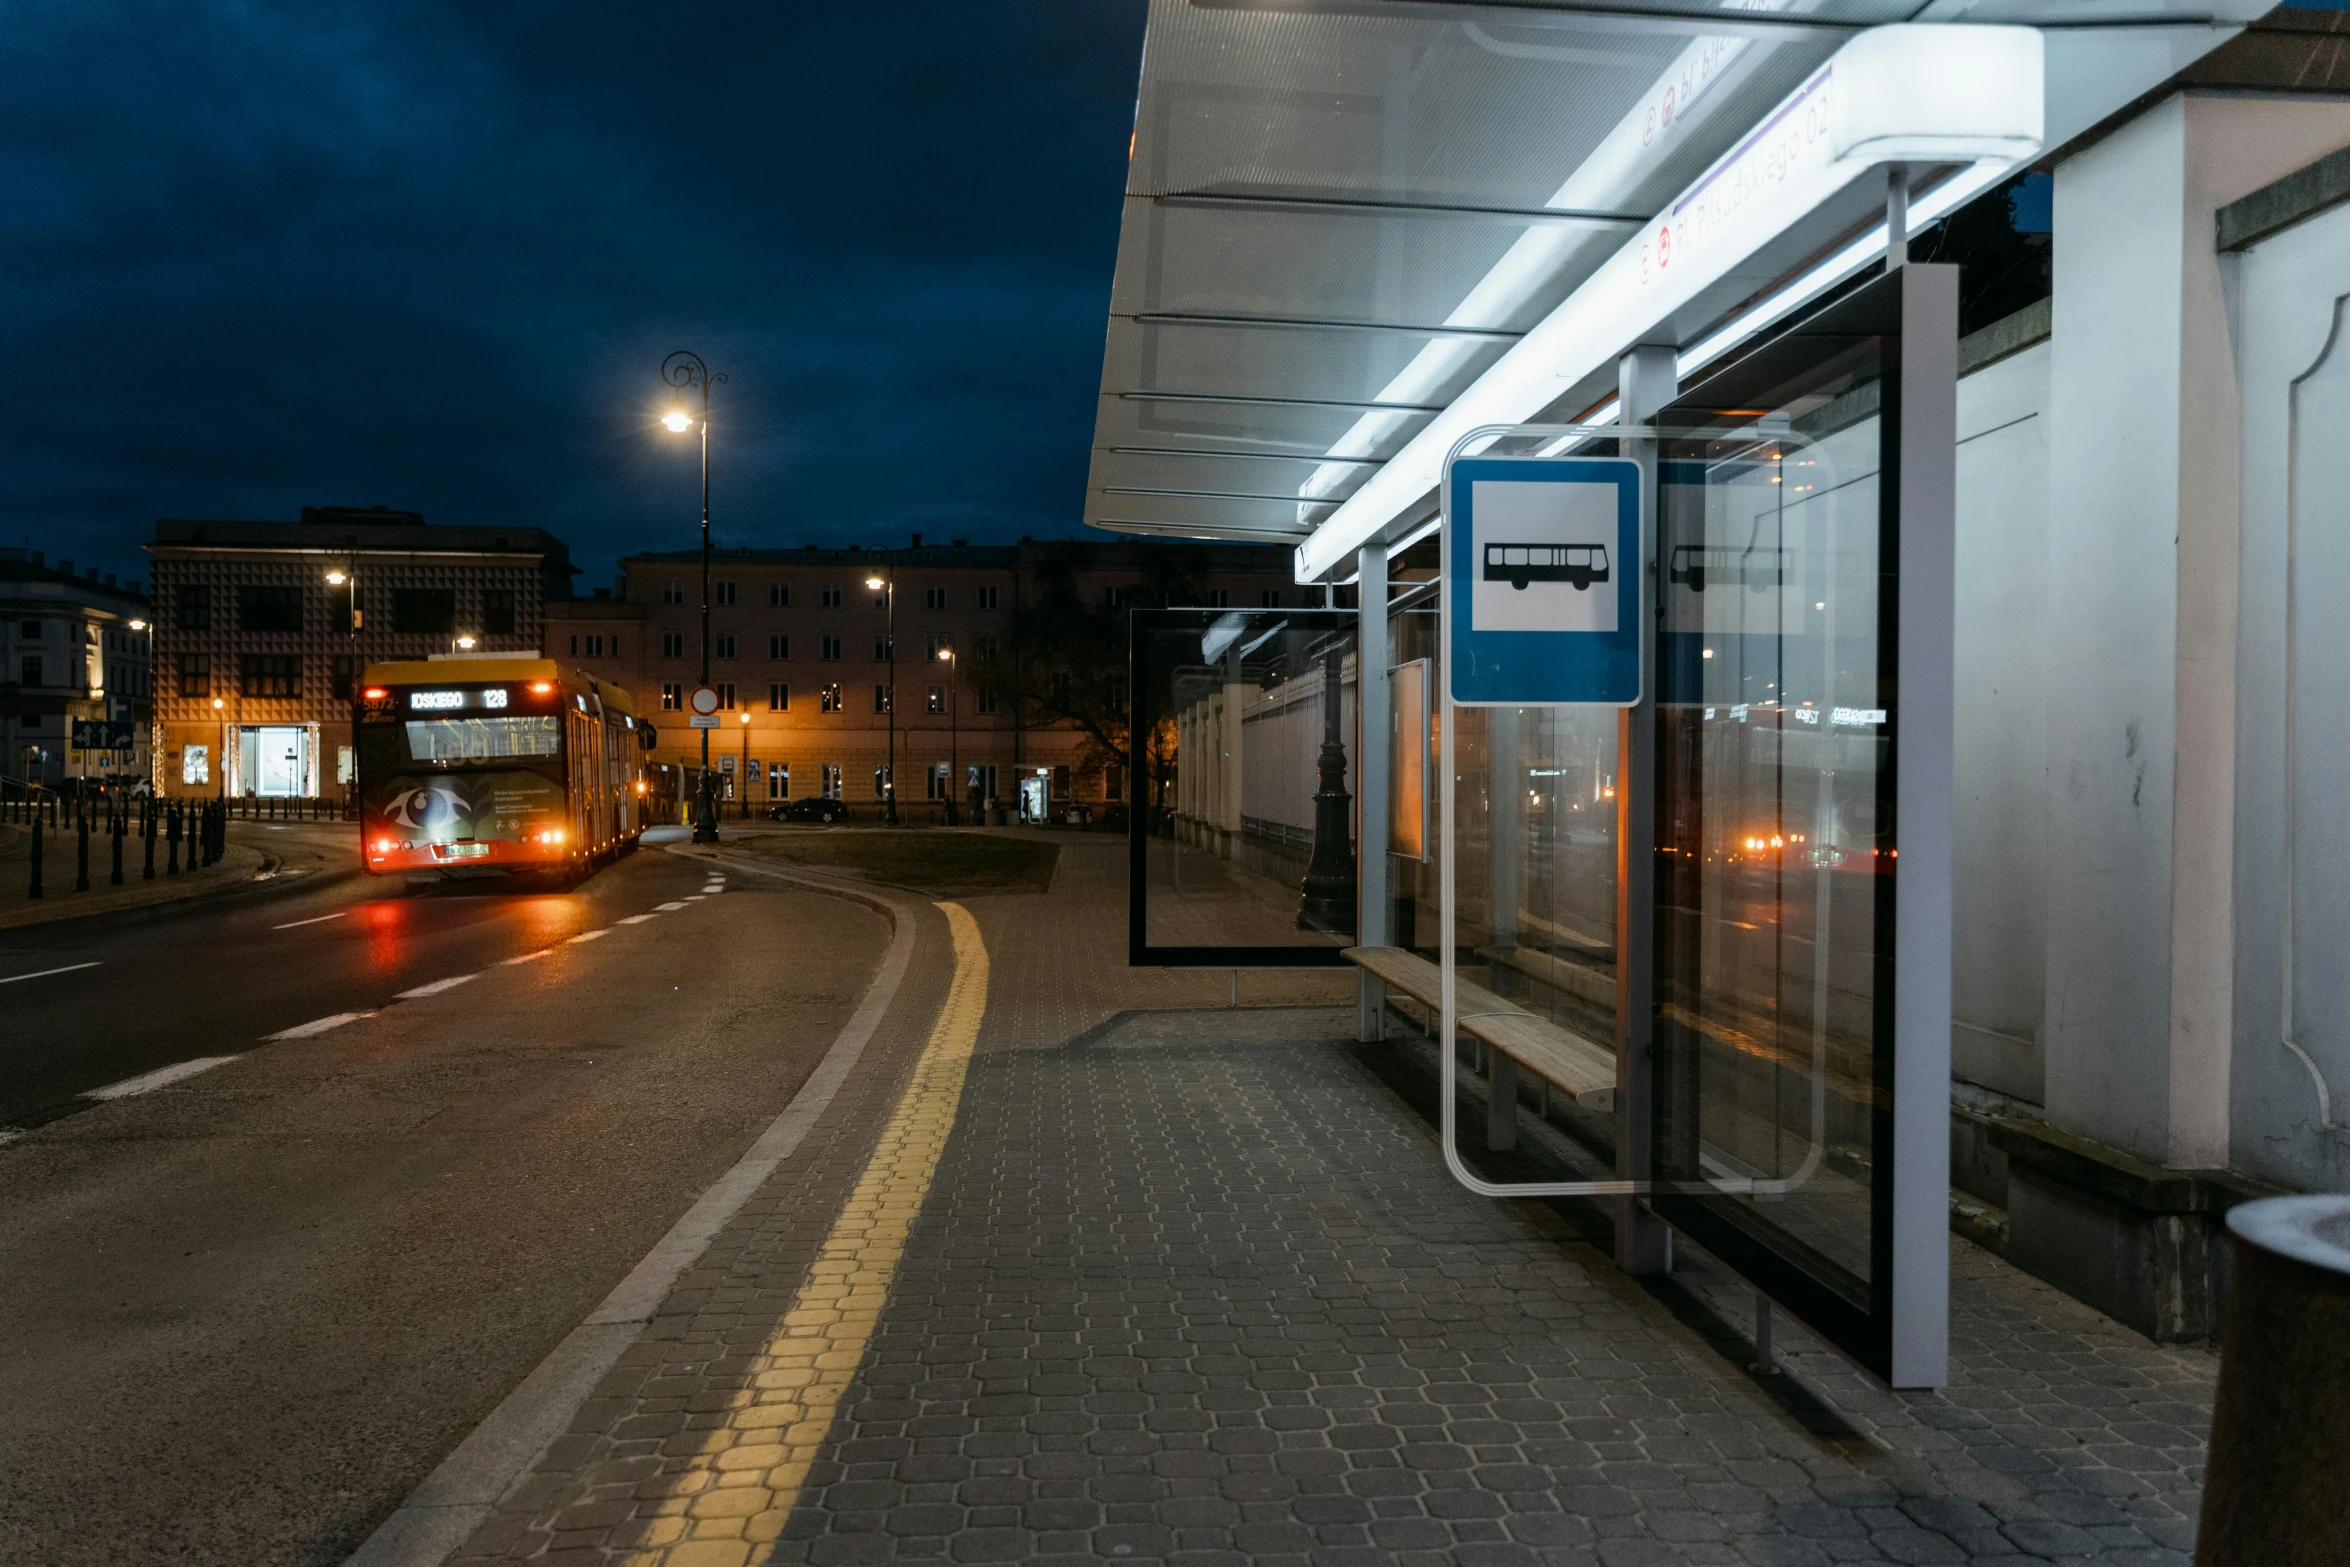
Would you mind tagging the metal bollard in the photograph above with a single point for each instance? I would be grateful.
(81, 834)
(35, 891)
(173, 813)
(2280, 1427)
(147, 831)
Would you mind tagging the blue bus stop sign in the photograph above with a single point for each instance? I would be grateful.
(1543, 581)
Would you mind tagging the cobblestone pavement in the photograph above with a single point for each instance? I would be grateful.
(1190, 1285)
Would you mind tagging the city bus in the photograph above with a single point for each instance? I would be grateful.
(496, 763)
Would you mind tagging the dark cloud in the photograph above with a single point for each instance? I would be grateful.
(431, 255)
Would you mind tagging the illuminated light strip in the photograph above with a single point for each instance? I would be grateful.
(1910, 93)
(148, 1082)
(749, 1472)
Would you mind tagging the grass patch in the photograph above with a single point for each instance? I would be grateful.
(941, 864)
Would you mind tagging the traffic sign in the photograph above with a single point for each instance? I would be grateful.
(701, 720)
(1542, 581)
(704, 701)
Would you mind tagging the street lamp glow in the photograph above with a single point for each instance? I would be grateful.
(746, 718)
(138, 625)
(678, 420)
(336, 578)
(874, 583)
(465, 644)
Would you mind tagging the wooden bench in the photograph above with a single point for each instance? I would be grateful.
(1513, 1037)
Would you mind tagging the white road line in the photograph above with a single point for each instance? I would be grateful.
(44, 973)
(435, 988)
(591, 935)
(322, 919)
(9, 1134)
(693, 897)
(148, 1082)
(530, 957)
(667, 908)
(637, 919)
(317, 1025)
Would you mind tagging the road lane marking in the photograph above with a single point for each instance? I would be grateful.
(317, 1025)
(435, 988)
(457, 1497)
(637, 919)
(592, 935)
(693, 897)
(322, 919)
(667, 908)
(148, 1082)
(530, 957)
(44, 973)
(753, 1466)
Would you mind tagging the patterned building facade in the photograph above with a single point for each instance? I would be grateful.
(75, 687)
(257, 649)
(801, 664)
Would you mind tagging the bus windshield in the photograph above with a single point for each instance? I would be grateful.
(481, 739)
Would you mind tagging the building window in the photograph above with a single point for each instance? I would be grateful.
(831, 784)
(779, 648)
(1061, 687)
(269, 609)
(672, 696)
(829, 697)
(987, 650)
(424, 611)
(881, 783)
(935, 787)
(939, 647)
(30, 668)
(1270, 598)
(778, 781)
(672, 592)
(778, 597)
(497, 612)
(30, 630)
(722, 645)
(881, 596)
(987, 597)
(880, 647)
(986, 702)
(934, 598)
(673, 644)
(829, 595)
(1113, 782)
(881, 699)
(934, 699)
(346, 675)
(1219, 598)
(725, 690)
(269, 675)
(195, 674)
(1115, 598)
(195, 609)
(828, 649)
(725, 593)
(196, 764)
(575, 647)
(779, 698)
(596, 646)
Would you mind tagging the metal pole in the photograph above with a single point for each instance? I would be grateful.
(682, 370)
(889, 596)
(954, 751)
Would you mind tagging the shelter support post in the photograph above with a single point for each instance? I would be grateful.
(1374, 751)
(1646, 379)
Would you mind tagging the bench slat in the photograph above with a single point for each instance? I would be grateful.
(1585, 1070)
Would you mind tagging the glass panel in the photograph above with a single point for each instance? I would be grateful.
(1246, 855)
(1775, 845)
(483, 739)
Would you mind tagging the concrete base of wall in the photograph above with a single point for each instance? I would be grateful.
(2143, 1244)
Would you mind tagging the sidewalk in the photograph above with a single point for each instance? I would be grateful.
(1117, 1273)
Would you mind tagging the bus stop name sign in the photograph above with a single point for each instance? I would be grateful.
(1542, 581)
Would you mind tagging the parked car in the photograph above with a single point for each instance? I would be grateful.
(809, 808)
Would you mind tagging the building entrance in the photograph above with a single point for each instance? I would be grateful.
(275, 760)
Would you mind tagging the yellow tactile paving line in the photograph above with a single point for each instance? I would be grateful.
(748, 1474)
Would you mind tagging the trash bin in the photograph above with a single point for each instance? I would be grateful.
(2274, 1493)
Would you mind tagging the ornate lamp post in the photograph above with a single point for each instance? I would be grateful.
(888, 589)
(1330, 879)
(683, 371)
(954, 754)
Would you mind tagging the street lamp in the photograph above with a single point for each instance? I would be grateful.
(683, 371)
(954, 756)
(889, 640)
(348, 581)
(743, 778)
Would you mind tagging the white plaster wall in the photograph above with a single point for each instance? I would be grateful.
(2143, 619)
(2293, 764)
(2000, 895)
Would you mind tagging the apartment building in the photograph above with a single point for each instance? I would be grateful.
(802, 648)
(75, 688)
(261, 629)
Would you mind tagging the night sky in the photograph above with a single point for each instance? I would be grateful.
(431, 256)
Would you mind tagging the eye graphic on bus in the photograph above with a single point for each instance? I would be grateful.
(1577, 565)
(1694, 565)
(426, 808)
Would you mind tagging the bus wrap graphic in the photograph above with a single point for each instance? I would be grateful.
(1577, 565)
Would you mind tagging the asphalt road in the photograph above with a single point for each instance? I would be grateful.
(243, 1314)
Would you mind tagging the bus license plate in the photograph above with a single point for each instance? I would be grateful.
(460, 851)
